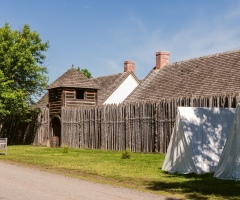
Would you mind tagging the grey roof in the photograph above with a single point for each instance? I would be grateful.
(42, 103)
(108, 84)
(73, 78)
(217, 74)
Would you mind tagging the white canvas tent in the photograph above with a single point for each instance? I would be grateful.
(229, 164)
(197, 139)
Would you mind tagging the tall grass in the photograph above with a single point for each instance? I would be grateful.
(142, 171)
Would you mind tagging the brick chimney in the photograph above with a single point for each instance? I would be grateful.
(129, 66)
(162, 58)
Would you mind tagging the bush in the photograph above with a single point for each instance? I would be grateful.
(126, 154)
(65, 149)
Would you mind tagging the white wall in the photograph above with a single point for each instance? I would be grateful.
(121, 93)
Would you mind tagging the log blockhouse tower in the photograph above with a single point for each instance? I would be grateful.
(72, 89)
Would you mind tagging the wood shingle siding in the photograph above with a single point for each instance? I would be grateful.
(213, 75)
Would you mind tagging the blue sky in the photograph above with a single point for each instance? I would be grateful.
(101, 34)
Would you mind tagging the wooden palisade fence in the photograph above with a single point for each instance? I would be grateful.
(141, 126)
(42, 135)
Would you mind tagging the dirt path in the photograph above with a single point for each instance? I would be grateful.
(27, 183)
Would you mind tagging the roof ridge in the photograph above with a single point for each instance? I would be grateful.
(203, 57)
(106, 75)
(65, 80)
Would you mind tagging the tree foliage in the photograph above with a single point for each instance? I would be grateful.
(85, 72)
(22, 74)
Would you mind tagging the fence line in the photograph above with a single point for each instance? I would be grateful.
(42, 134)
(141, 126)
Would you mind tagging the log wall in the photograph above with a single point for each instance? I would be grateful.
(55, 101)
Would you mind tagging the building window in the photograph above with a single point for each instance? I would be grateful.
(79, 94)
(55, 94)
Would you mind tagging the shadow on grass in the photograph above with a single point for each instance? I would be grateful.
(197, 186)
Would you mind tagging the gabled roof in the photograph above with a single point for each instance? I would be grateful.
(43, 102)
(108, 84)
(204, 76)
(73, 78)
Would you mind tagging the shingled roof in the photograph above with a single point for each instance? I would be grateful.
(43, 102)
(108, 84)
(75, 79)
(217, 74)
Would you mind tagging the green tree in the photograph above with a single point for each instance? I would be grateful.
(85, 72)
(11, 100)
(22, 74)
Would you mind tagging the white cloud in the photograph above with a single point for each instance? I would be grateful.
(199, 38)
(138, 22)
(203, 38)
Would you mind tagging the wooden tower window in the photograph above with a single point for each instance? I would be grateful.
(55, 94)
(79, 94)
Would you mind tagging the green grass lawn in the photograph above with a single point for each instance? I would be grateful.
(142, 171)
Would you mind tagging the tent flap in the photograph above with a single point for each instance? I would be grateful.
(197, 140)
(228, 167)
